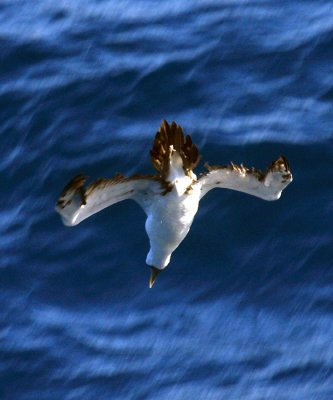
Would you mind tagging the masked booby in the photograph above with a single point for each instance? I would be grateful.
(171, 197)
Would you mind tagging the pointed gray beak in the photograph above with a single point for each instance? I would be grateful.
(153, 275)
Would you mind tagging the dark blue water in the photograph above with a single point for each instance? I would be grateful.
(244, 311)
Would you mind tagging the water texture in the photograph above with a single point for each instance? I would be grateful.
(244, 311)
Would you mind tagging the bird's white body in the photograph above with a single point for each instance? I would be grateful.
(171, 198)
(170, 217)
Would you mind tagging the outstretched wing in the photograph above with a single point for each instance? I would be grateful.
(267, 186)
(77, 203)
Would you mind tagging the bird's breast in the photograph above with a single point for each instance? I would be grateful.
(171, 215)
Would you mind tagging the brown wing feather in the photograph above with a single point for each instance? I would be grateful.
(172, 135)
(280, 164)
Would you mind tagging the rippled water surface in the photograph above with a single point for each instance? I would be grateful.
(244, 311)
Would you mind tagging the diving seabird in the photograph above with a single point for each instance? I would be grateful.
(170, 198)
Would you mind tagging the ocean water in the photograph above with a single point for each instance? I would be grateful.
(244, 311)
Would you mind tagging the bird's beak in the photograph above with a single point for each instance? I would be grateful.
(153, 275)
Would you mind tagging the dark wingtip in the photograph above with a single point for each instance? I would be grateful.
(75, 185)
(281, 162)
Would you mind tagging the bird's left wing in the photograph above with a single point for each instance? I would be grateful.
(265, 185)
(77, 203)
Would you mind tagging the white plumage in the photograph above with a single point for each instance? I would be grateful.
(171, 198)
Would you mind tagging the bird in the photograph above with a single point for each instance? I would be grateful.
(170, 197)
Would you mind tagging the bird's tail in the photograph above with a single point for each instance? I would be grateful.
(171, 138)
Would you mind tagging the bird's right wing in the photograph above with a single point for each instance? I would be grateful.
(77, 203)
(267, 186)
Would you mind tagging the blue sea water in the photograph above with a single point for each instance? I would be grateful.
(244, 311)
